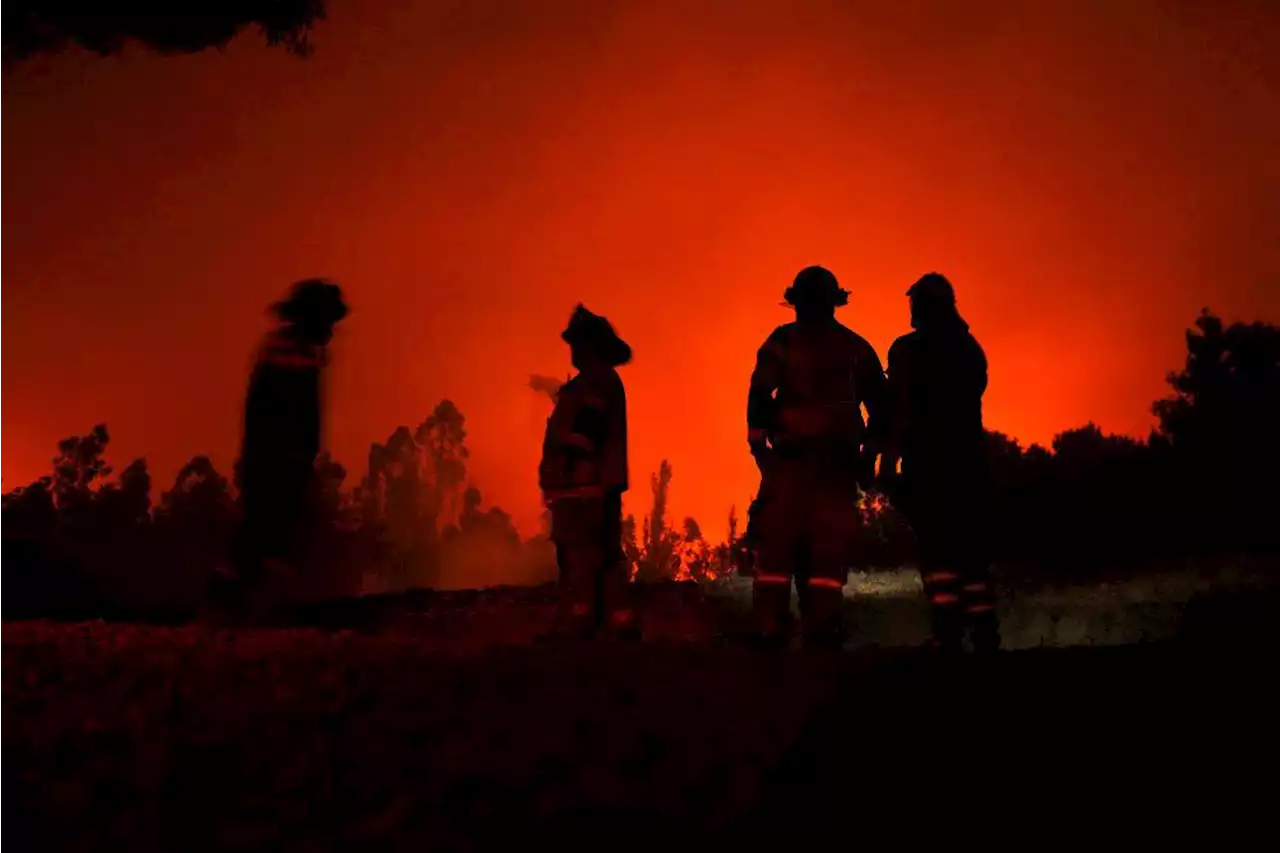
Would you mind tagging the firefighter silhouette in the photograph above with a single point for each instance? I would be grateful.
(282, 430)
(583, 475)
(806, 431)
(937, 375)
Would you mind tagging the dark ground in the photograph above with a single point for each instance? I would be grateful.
(434, 724)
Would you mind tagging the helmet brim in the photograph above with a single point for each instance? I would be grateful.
(792, 299)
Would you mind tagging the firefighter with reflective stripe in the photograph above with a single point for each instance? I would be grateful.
(806, 431)
(282, 416)
(583, 475)
(937, 376)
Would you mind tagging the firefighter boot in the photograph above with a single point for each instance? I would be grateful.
(980, 612)
(771, 610)
(948, 629)
(820, 614)
(984, 632)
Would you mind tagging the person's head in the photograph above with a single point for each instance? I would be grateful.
(313, 307)
(815, 294)
(593, 344)
(933, 301)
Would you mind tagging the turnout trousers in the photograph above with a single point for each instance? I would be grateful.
(274, 506)
(806, 523)
(947, 511)
(594, 575)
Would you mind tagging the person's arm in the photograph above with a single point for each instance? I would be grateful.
(873, 389)
(766, 376)
(981, 360)
(551, 469)
(613, 449)
(894, 412)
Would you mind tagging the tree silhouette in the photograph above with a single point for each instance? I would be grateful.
(79, 465)
(631, 544)
(127, 502)
(34, 27)
(727, 552)
(79, 543)
(199, 507)
(1220, 427)
(30, 513)
(393, 505)
(1228, 389)
(693, 557)
(443, 437)
(657, 562)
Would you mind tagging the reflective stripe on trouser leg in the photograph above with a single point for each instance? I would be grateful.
(834, 513)
(775, 562)
(822, 611)
(977, 595)
(980, 610)
(771, 603)
(942, 589)
(825, 583)
(823, 597)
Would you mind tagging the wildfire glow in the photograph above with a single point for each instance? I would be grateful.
(1089, 175)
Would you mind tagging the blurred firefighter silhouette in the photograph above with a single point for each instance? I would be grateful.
(806, 431)
(282, 432)
(937, 376)
(583, 475)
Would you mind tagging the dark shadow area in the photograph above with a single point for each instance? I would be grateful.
(117, 735)
(106, 27)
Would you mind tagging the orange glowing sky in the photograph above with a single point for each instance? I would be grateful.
(1090, 174)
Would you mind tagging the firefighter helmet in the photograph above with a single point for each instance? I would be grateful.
(816, 285)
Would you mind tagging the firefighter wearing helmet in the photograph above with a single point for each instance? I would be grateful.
(937, 376)
(806, 430)
(583, 475)
(282, 432)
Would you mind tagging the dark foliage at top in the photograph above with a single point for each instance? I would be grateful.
(34, 27)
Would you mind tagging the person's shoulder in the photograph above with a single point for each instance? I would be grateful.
(776, 341)
(906, 340)
(903, 344)
(852, 336)
(782, 332)
(571, 388)
(974, 347)
(604, 384)
(855, 341)
(613, 383)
